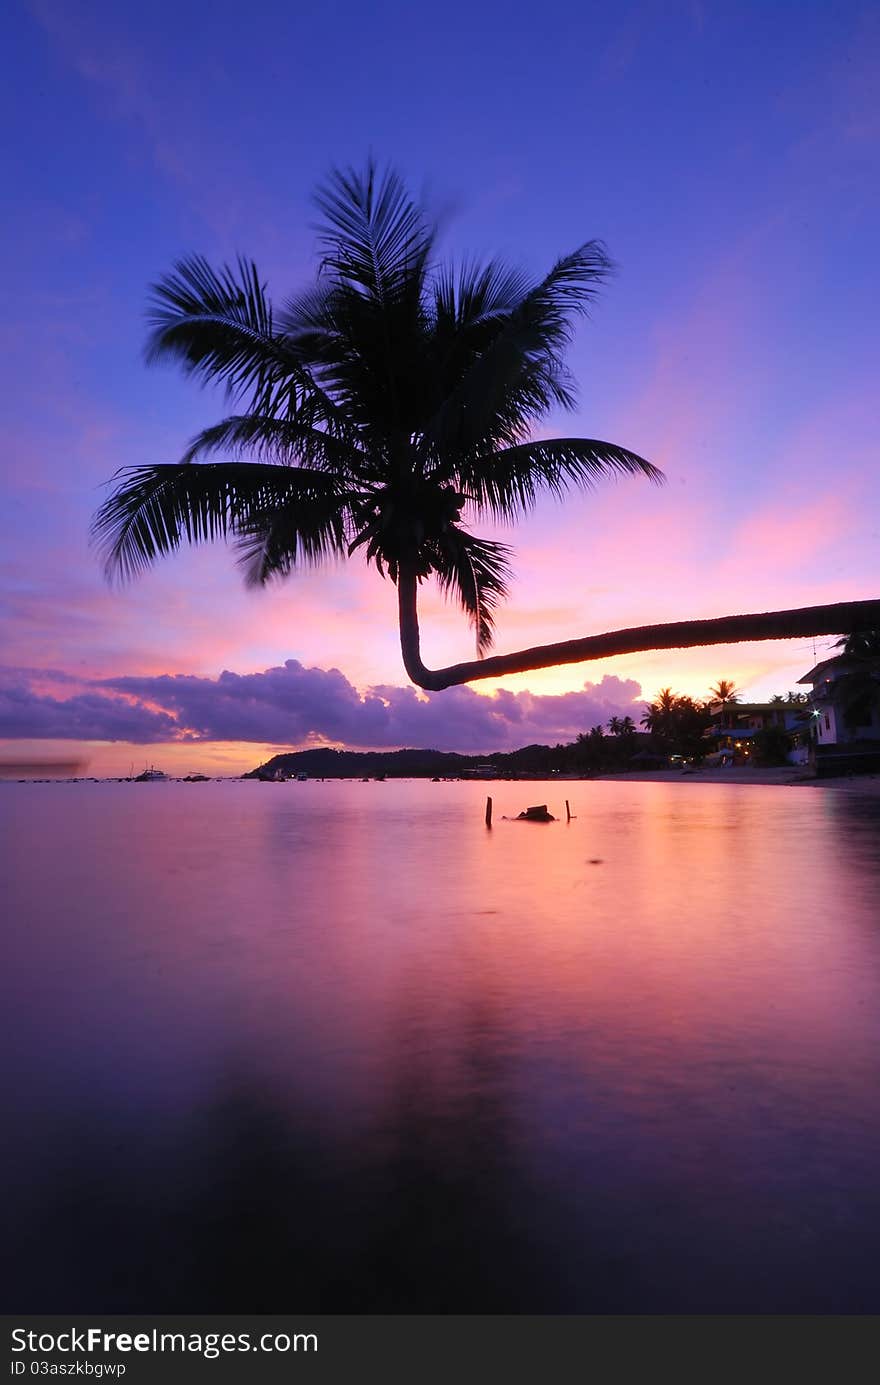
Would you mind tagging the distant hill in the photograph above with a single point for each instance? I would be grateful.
(326, 763)
(529, 760)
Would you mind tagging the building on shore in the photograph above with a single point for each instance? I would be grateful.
(844, 703)
(736, 724)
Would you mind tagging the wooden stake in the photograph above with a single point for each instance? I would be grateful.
(488, 812)
(567, 812)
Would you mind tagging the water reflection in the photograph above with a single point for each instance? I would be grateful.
(366, 1058)
(252, 1211)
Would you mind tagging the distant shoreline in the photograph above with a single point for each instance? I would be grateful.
(783, 777)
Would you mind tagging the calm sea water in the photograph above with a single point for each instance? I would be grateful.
(336, 1046)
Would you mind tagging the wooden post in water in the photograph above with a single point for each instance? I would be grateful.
(488, 812)
(567, 812)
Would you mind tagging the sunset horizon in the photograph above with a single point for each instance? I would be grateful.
(705, 361)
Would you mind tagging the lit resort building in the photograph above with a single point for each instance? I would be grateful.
(737, 723)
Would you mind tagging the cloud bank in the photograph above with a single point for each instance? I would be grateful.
(294, 705)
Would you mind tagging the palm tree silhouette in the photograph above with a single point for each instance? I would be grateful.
(861, 644)
(658, 714)
(724, 692)
(621, 726)
(857, 690)
(374, 409)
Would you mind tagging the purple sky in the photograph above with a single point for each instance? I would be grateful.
(727, 154)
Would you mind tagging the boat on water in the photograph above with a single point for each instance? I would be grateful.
(301, 778)
(150, 775)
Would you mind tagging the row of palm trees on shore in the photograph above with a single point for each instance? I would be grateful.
(677, 719)
(676, 723)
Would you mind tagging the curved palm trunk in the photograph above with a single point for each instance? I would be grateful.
(684, 634)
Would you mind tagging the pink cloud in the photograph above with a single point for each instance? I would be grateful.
(295, 705)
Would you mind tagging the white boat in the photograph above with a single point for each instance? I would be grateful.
(150, 775)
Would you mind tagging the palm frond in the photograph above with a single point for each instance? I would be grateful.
(476, 295)
(219, 324)
(568, 291)
(155, 509)
(307, 530)
(518, 376)
(308, 321)
(216, 322)
(862, 644)
(374, 236)
(476, 572)
(280, 440)
(508, 482)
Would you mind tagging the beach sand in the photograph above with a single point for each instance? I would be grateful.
(746, 774)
